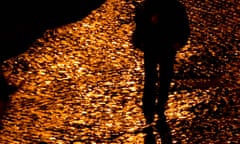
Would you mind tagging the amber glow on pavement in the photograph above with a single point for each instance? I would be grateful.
(83, 81)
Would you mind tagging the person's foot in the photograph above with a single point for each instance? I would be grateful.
(149, 137)
(164, 131)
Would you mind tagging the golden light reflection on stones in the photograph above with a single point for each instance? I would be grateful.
(83, 82)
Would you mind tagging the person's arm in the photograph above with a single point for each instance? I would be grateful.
(138, 33)
(184, 28)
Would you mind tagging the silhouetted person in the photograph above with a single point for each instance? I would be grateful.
(162, 28)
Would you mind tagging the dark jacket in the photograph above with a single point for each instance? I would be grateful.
(170, 25)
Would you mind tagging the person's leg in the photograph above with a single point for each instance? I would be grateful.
(166, 73)
(149, 95)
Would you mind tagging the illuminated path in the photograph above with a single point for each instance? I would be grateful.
(83, 82)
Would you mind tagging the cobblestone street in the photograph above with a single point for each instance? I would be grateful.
(83, 82)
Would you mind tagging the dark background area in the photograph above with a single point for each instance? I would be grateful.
(24, 21)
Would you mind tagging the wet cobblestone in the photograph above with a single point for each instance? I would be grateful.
(83, 82)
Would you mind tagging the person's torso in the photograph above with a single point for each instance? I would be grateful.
(162, 24)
